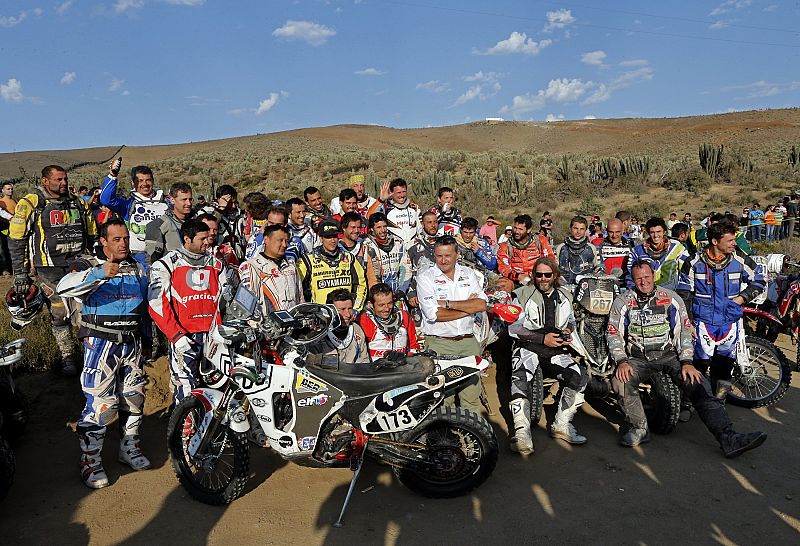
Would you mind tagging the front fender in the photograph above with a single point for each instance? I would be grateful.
(210, 398)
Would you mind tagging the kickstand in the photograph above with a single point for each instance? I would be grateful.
(485, 399)
(356, 471)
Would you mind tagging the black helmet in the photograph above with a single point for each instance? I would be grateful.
(24, 307)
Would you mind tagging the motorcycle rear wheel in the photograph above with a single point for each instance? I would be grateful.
(662, 404)
(222, 479)
(769, 379)
(463, 446)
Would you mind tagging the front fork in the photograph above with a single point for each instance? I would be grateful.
(211, 423)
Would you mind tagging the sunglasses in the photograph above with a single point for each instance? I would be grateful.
(540, 274)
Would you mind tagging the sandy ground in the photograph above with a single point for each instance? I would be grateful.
(678, 488)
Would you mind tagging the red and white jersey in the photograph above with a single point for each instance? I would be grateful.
(276, 283)
(183, 292)
(379, 342)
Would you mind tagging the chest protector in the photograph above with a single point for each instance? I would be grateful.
(61, 230)
(143, 211)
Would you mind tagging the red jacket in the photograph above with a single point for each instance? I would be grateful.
(514, 262)
(380, 342)
(183, 293)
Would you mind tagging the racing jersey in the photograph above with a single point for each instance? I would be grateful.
(322, 273)
(710, 285)
(515, 260)
(137, 210)
(666, 262)
(388, 263)
(112, 308)
(276, 282)
(399, 335)
(449, 220)
(183, 292)
(615, 256)
(649, 327)
(314, 217)
(404, 222)
(358, 251)
(578, 258)
(163, 235)
(421, 251)
(301, 240)
(49, 231)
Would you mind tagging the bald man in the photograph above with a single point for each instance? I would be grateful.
(615, 250)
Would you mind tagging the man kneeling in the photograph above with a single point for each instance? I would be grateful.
(649, 331)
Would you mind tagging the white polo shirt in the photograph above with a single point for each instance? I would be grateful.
(433, 285)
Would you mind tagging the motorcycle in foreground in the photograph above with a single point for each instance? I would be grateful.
(13, 412)
(320, 413)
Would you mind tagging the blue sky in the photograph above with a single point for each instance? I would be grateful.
(76, 73)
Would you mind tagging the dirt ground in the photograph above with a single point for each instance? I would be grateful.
(677, 488)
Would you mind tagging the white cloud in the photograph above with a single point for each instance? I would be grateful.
(761, 89)
(560, 90)
(267, 104)
(11, 91)
(68, 78)
(8, 21)
(480, 91)
(480, 76)
(730, 5)
(594, 58)
(123, 6)
(771, 7)
(434, 86)
(718, 25)
(38, 11)
(307, 31)
(64, 6)
(552, 117)
(516, 43)
(186, 2)
(558, 19)
(116, 85)
(370, 72)
(589, 117)
(237, 111)
(634, 62)
(126, 93)
(631, 77)
(601, 94)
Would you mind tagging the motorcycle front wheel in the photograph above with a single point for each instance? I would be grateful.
(661, 403)
(217, 476)
(767, 380)
(460, 451)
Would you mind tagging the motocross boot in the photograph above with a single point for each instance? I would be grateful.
(722, 389)
(521, 442)
(91, 466)
(562, 427)
(131, 454)
(636, 435)
(734, 443)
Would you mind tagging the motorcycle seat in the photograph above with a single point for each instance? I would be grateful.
(361, 379)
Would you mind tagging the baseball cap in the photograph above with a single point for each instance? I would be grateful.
(328, 229)
(508, 228)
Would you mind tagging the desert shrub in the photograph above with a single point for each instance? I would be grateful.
(692, 179)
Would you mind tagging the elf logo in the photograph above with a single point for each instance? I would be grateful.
(319, 400)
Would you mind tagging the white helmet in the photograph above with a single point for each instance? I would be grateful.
(24, 307)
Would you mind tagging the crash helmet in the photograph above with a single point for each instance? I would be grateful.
(24, 307)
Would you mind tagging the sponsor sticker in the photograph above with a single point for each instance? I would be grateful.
(306, 383)
(454, 373)
(307, 443)
(319, 400)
